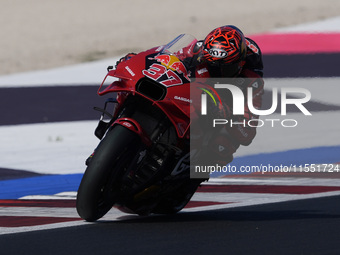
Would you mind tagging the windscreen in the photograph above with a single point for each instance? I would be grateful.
(180, 42)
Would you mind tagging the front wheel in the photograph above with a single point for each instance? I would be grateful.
(99, 186)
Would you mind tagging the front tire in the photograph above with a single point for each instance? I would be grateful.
(99, 186)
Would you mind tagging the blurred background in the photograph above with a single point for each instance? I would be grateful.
(42, 34)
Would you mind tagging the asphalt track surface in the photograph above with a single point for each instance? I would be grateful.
(310, 226)
(300, 227)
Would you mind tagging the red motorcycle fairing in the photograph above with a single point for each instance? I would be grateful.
(160, 77)
(134, 126)
(152, 107)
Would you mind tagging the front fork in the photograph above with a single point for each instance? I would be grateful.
(124, 114)
(118, 118)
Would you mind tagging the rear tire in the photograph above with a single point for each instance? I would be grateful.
(179, 199)
(99, 186)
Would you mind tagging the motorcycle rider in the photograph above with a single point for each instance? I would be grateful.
(227, 53)
(224, 53)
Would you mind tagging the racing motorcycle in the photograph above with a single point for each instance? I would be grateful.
(141, 164)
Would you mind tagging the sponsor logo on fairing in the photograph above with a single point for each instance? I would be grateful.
(183, 99)
(130, 71)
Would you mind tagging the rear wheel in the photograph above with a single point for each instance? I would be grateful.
(99, 186)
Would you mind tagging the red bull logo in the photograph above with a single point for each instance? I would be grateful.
(173, 63)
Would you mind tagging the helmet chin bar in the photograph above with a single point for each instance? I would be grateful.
(224, 70)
